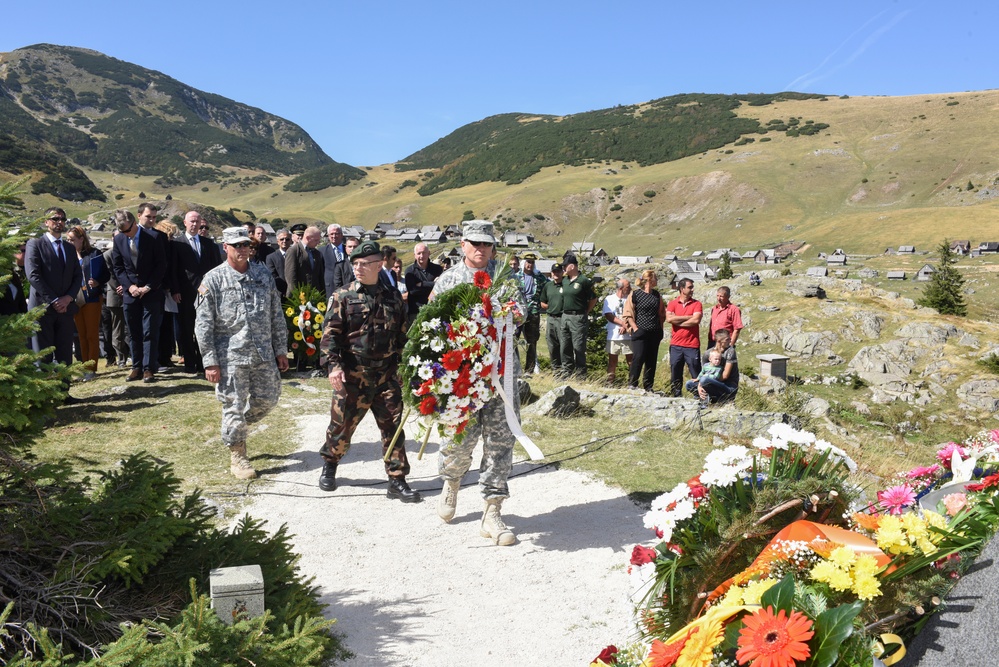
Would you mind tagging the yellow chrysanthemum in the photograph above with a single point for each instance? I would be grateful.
(840, 580)
(321, 306)
(319, 319)
(298, 335)
(823, 571)
(289, 312)
(733, 598)
(866, 566)
(843, 556)
(755, 591)
(296, 322)
(891, 538)
(866, 588)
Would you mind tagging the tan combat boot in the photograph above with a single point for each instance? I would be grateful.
(239, 465)
(447, 502)
(492, 525)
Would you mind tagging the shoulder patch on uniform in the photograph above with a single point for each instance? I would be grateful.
(202, 290)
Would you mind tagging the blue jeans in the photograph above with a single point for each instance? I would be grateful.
(717, 390)
(678, 358)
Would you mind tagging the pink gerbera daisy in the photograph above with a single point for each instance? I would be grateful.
(894, 498)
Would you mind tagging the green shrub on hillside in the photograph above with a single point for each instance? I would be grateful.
(327, 176)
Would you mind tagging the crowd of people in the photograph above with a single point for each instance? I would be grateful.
(159, 293)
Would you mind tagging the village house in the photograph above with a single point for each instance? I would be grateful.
(961, 247)
(582, 248)
(517, 240)
(766, 256)
(628, 260)
(838, 258)
(926, 273)
(817, 272)
(896, 275)
(988, 248)
(906, 250)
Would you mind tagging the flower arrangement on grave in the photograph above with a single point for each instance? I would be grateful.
(305, 313)
(456, 353)
(770, 558)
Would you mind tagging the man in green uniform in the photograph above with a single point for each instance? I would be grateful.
(363, 337)
(578, 299)
(551, 305)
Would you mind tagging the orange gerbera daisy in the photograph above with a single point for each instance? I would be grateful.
(774, 641)
(665, 655)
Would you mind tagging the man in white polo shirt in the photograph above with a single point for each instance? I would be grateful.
(618, 342)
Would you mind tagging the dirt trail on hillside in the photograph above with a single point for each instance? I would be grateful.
(409, 590)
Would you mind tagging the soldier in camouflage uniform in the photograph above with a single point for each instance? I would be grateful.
(363, 337)
(478, 243)
(244, 342)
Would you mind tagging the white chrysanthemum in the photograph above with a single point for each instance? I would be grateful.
(437, 345)
(425, 372)
(733, 455)
(445, 385)
(788, 433)
(676, 494)
(684, 510)
(415, 361)
(762, 443)
(721, 475)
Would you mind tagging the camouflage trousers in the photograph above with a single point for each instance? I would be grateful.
(247, 393)
(363, 390)
(532, 333)
(497, 450)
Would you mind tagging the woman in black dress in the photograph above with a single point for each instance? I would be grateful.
(644, 314)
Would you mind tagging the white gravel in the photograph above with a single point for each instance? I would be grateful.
(409, 590)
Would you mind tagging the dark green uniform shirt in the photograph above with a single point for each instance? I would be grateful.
(551, 293)
(576, 294)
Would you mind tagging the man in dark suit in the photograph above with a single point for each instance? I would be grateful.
(263, 250)
(193, 257)
(337, 262)
(420, 279)
(12, 301)
(140, 264)
(275, 261)
(55, 277)
(148, 216)
(304, 264)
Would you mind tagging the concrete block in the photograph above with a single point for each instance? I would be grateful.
(237, 592)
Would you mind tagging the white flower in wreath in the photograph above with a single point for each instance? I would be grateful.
(762, 443)
(437, 345)
(837, 454)
(676, 494)
(641, 578)
(733, 455)
(415, 361)
(425, 372)
(790, 434)
(445, 385)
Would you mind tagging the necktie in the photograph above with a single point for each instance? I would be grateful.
(312, 262)
(196, 245)
(133, 247)
(58, 249)
(337, 253)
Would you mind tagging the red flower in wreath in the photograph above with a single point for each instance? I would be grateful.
(428, 405)
(641, 555)
(608, 656)
(451, 360)
(487, 305)
(307, 315)
(986, 483)
(311, 351)
(482, 280)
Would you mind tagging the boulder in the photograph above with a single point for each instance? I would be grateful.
(892, 357)
(809, 343)
(870, 323)
(559, 402)
(737, 423)
(867, 273)
(808, 290)
(816, 407)
(981, 394)
(926, 333)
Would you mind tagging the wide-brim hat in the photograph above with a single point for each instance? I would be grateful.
(480, 231)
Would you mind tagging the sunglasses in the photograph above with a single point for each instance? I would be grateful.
(57, 219)
(480, 244)
(239, 246)
(203, 227)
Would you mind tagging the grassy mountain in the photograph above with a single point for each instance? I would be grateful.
(109, 115)
(512, 147)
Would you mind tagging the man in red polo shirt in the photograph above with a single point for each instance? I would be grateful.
(684, 315)
(725, 315)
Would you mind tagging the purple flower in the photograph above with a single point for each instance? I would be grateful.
(438, 370)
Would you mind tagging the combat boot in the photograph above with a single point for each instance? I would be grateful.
(327, 479)
(492, 525)
(447, 502)
(399, 489)
(239, 465)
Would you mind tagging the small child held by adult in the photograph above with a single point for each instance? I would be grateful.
(712, 369)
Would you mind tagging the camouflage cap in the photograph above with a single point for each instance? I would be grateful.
(366, 249)
(478, 230)
(231, 235)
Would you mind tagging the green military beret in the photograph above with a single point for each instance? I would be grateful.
(366, 249)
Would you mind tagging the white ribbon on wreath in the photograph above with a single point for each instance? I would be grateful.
(305, 325)
(506, 388)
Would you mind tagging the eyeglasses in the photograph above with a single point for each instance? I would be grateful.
(359, 263)
(242, 245)
(57, 219)
(480, 244)
(203, 227)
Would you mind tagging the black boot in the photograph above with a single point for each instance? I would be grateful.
(327, 480)
(398, 488)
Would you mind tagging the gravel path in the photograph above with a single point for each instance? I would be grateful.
(409, 590)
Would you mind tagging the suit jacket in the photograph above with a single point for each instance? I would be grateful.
(188, 268)
(264, 251)
(336, 274)
(419, 284)
(12, 299)
(150, 267)
(297, 270)
(50, 277)
(275, 262)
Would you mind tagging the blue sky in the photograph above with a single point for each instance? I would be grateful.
(373, 82)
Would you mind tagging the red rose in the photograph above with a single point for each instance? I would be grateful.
(482, 280)
(641, 555)
(428, 405)
(451, 360)
(487, 305)
(607, 655)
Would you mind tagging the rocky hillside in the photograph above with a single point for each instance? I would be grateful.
(106, 114)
